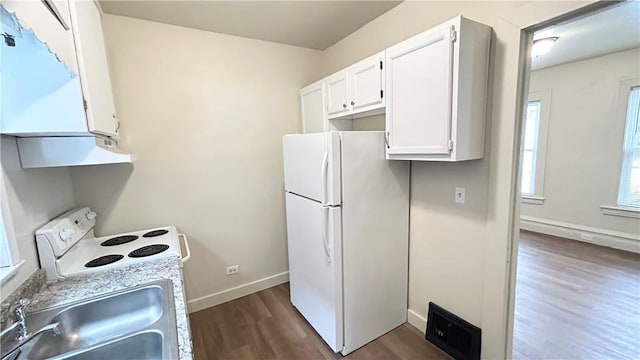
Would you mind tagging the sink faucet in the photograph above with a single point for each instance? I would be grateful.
(23, 335)
(18, 310)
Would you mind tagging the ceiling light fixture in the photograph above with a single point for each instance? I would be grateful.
(542, 46)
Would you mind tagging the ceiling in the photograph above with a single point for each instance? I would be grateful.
(310, 24)
(614, 29)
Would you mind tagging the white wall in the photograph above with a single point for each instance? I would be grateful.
(584, 145)
(205, 114)
(35, 196)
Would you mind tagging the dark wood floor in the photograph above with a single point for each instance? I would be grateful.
(575, 301)
(265, 325)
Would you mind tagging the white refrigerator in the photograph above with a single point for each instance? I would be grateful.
(347, 233)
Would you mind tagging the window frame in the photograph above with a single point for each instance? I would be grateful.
(542, 96)
(624, 179)
(533, 149)
(622, 102)
(8, 244)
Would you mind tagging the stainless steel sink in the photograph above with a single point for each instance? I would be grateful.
(136, 323)
(143, 346)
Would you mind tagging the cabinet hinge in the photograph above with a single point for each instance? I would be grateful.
(380, 64)
(84, 103)
(454, 34)
(450, 145)
(381, 94)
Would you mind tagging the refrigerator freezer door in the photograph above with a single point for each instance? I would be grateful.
(312, 166)
(315, 266)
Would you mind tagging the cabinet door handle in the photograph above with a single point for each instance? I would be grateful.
(344, 106)
(117, 127)
(386, 139)
(353, 103)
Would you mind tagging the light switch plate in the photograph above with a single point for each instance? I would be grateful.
(460, 193)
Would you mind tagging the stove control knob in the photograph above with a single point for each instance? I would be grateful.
(91, 215)
(66, 234)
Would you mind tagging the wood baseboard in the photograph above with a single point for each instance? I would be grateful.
(613, 239)
(416, 320)
(236, 292)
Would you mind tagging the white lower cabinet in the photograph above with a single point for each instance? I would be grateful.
(436, 93)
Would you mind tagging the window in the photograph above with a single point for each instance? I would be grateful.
(535, 127)
(530, 148)
(629, 190)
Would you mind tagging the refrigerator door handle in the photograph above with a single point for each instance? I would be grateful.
(325, 167)
(325, 225)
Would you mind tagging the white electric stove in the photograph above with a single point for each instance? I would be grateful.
(67, 246)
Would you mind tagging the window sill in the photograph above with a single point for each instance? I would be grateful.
(8, 272)
(620, 211)
(535, 200)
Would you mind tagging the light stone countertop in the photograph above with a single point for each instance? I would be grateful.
(85, 286)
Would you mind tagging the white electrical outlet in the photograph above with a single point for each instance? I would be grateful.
(460, 192)
(234, 269)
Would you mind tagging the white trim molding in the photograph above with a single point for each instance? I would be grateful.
(8, 272)
(609, 238)
(534, 200)
(236, 292)
(620, 211)
(416, 320)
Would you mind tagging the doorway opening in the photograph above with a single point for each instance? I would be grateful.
(577, 289)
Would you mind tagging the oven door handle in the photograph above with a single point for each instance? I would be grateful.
(186, 246)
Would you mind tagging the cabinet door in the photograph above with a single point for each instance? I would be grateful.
(313, 108)
(419, 82)
(366, 83)
(94, 69)
(337, 93)
(55, 33)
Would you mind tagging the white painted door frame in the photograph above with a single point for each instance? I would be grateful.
(511, 68)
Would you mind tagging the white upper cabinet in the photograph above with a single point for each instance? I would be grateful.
(367, 84)
(94, 69)
(419, 81)
(436, 93)
(313, 108)
(337, 94)
(357, 91)
(50, 22)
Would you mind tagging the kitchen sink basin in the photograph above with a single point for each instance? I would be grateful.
(143, 346)
(136, 323)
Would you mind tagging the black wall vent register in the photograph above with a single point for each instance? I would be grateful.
(452, 334)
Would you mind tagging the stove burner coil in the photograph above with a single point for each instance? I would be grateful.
(119, 240)
(148, 250)
(154, 233)
(103, 260)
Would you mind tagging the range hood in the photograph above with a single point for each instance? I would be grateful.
(39, 152)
